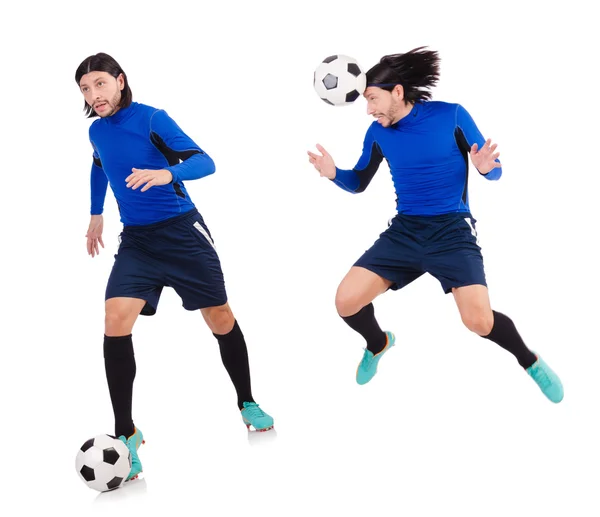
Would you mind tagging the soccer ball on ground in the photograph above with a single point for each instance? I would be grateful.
(103, 462)
(339, 80)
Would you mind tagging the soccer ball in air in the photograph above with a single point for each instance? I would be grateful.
(103, 462)
(339, 80)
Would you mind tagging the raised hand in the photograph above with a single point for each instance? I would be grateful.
(484, 159)
(94, 235)
(324, 163)
(148, 178)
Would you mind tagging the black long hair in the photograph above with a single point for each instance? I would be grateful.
(102, 62)
(417, 70)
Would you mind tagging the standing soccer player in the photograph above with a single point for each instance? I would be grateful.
(145, 157)
(427, 145)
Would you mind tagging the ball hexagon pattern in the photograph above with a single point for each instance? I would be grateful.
(103, 462)
(339, 80)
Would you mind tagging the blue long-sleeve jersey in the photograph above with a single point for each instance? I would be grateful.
(428, 155)
(143, 137)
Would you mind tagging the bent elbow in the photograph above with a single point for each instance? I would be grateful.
(208, 165)
(212, 168)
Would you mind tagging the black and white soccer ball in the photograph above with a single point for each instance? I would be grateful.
(339, 80)
(103, 462)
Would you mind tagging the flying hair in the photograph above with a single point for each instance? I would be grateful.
(417, 71)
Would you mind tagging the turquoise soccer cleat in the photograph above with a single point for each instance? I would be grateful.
(133, 444)
(368, 366)
(256, 417)
(547, 380)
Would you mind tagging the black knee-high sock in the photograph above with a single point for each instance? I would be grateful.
(234, 355)
(366, 325)
(119, 363)
(505, 334)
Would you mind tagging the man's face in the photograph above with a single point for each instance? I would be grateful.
(102, 92)
(383, 105)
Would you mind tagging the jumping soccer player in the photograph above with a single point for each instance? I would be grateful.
(427, 145)
(145, 157)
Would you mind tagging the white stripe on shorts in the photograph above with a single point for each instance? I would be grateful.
(200, 228)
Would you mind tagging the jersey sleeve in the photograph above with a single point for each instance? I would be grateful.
(187, 161)
(98, 185)
(472, 135)
(356, 180)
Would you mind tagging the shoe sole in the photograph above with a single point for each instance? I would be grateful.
(261, 430)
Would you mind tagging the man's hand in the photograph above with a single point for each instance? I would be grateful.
(324, 164)
(94, 235)
(148, 178)
(484, 160)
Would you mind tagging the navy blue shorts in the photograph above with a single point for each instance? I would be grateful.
(445, 246)
(179, 253)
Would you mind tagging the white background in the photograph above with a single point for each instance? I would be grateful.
(451, 424)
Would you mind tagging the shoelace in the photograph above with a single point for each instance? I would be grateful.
(367, 359)
(542, 378)
(254, 411)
